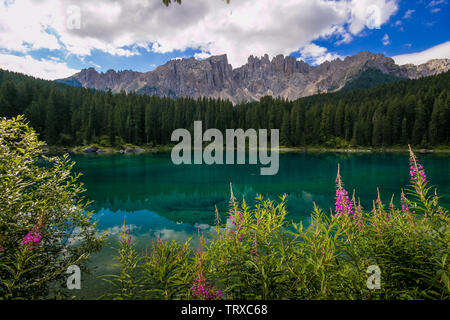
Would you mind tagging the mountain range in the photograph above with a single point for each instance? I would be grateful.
(284, 77)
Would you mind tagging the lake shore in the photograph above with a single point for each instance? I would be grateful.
(131, 149)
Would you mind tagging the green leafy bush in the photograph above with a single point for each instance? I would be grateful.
(258, 254)
(44, 224)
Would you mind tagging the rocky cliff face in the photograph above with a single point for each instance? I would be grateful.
(281, 77)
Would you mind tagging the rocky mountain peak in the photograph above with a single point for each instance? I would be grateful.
(281, 76)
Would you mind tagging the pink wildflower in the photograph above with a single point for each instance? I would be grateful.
(205, 291)
(32, 238)
(416, 169)
(403, 200)
(343, 204)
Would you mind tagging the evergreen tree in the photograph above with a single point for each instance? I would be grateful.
(285, 130)
(51, 121)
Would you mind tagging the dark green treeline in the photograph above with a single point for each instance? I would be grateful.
(409, 111)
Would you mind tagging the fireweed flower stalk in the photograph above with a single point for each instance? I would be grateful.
(34, 236)
(416, 169)
(236, 218)
(418, 176)
(381, 219)
(125, 237)
(343, 205)
(31, 239)
(201, 288)
(420, 201)
(357, 216)
(404, 202)
(126, 281)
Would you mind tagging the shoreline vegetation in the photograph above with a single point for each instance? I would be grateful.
(133, 149)
(382, 118)
(45, 229)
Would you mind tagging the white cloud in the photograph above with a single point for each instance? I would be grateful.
(408, 13)
(386, 40)
(202, 55)
(114, 231)
(371, 14)
(240, 29)
(317, 54)
(435, 3)
(45, 69)
(440, 51)
(399, 24)
(22, 29)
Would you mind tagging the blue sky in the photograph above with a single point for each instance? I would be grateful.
(52, 40)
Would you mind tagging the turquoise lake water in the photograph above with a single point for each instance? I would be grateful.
(161, 199)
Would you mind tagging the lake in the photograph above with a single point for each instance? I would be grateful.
(161, 199)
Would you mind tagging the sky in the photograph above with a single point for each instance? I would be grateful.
(55, 39)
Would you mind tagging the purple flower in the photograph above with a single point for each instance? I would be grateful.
(32, 238)
(126, 240)
(343, 204)
(416, 169)
(403, 200)
(207, 292)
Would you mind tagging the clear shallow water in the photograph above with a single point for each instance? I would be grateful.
(161, 199)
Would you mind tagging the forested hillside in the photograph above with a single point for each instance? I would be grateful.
(408, 111)
(369, 78)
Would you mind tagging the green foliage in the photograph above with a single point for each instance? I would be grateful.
(39, 196)
(405, 112)
(126, 282)
(163, 273)
(167, 272)
(369, 78)
(257, 254)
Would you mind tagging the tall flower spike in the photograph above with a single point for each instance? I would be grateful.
(416, 169)
(343, 205)
(232, 197)
(357, 215)
(391, 204)
(124, 237)
(255, 245)
(217, 221)
(404, 201)
(124, 226)
(380, 206)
